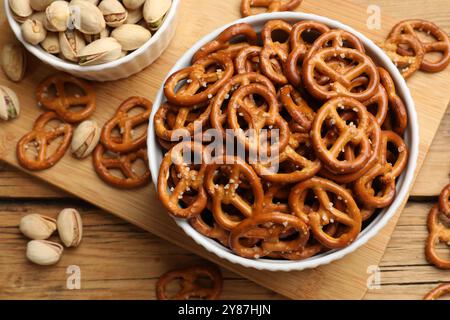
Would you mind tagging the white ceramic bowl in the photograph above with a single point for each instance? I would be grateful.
(403, 184)
(119, 69)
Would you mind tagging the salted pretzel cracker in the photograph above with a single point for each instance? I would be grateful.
(268, 227)
(354, 133)
(62, 102)
(126, 123)
(225, 40)
(197, 78)
(190, 286)
(438, 232)
(188, 179)
(105, 162)
(327, 212)
(439, 291)
(441, 43)
(340, 82)
(227, 194)
(42, 137)
(213, 231)
(271, 5)
(444, 201)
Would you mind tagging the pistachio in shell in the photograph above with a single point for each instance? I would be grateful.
(87, 17)
(33, 31)
(134, 16)
(133, 4)
(9, 104)
(85, 139)
(13, 61)
(70, 227)
(100, 51)
(155, 12)
(71, 42)
(114, 12)
(37, 227)
(40, 5)
(57, 16)
(21, 9)
(131, 36)
(51, 43)
(43, 252)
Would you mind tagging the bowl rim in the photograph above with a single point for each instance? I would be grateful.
(404, 182)
(61, 64)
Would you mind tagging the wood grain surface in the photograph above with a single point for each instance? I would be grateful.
(46, 192)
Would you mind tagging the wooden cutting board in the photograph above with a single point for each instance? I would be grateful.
(344, 279)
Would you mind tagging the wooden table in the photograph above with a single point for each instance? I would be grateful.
(118, 260)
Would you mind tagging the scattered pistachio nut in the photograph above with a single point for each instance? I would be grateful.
(51, 43)
(21, 9)
(155, 11)
(133, 4)
(71, 42)
(70, 227)
(114, 12)
(13, 61)
(131, 36)
(57, 16)
(89, 19)
(85, 139)
(43, 252)
(100, 51)
(37, 227)
(9, 104)
(40, 5)
(33, 31)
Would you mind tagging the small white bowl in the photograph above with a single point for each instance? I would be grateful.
(119, 69)
(403, 183)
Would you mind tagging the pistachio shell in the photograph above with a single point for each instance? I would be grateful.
(100, 51)
(133, 4)
(131, 36)
(21, 9)
(155, 11)
(85, 139)
(33, 31)
(134, 16)
(86, 17)
(92, 37)
(70, 227)
(44, 252)
(71, 42)
(57, 16)
(114, 12)
(13, 61)
(51, 43)
(37, 227)
(9, 104)
(40, 5)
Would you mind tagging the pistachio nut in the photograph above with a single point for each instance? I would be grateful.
(51, 43)
(13, 61)
(9, 104)
(21, 9)
(114, 12)
(37, 227)
(70, 227)
(40, 5)
(85, 139)
(92, 37)
(33, 31)
(155, 11)
(87, 17)
(100, 51)
(43, 252)
(131, 36)
(133, 4)
(57, 16)
(71, 42)
(134, 16)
